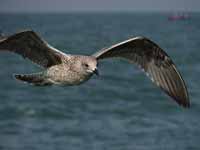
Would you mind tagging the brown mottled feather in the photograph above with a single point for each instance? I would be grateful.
(29, 45)
(154, 61)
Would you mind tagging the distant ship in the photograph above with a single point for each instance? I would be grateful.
(178, 17)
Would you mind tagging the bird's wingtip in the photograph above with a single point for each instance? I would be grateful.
(184, 103)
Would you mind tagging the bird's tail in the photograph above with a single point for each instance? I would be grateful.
(37, 79)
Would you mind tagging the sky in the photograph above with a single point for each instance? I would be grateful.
(98, 5)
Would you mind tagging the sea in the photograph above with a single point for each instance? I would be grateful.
(119, 110)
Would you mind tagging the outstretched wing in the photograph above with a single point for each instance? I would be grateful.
(29, 45)
(154, 61)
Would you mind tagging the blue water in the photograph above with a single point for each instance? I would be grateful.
(121, 109)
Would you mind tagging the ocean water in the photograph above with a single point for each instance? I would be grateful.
(121, 109)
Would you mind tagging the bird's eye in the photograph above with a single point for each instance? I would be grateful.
(86, 65)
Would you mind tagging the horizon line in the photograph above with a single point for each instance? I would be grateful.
(99, 11)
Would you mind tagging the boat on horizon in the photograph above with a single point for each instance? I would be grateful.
(175, 17)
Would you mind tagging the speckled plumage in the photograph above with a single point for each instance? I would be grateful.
(72, 71)
(66, 69)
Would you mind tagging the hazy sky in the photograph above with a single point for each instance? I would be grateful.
(98, 5)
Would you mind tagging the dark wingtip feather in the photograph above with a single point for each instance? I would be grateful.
(187, 105)
(184, 102)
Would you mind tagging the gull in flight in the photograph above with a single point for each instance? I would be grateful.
(67, 69)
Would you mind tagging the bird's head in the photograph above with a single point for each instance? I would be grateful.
(88, 65)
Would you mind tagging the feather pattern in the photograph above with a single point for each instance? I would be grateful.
(157, 65)
(29, 45)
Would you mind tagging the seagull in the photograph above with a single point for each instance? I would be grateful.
(66, 69)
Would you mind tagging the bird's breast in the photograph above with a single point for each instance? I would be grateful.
(62, 74)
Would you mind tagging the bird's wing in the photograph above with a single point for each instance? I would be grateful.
(154, 61)
(29, 45)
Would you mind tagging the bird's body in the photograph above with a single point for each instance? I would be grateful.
(71, 72)
(66, 69)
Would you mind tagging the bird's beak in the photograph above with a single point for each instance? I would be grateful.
(96, 72)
